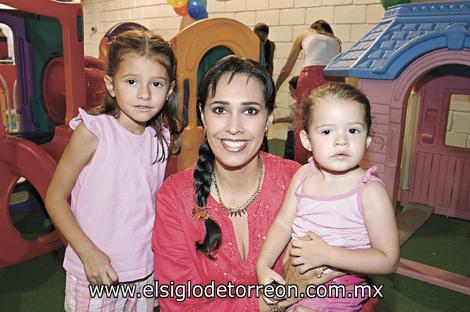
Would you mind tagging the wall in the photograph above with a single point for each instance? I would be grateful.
(350, 20)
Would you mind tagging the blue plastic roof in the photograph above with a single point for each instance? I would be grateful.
(405, 33)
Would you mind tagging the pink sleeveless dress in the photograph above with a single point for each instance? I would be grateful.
(113, 199)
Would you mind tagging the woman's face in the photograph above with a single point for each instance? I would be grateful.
(235, 119)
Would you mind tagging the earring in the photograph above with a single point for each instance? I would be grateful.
(266, 128)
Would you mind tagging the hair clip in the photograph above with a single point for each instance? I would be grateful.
(199, 213)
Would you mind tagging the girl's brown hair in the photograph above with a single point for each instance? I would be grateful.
(148, 44)
(335, 90)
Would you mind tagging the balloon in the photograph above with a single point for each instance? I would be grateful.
(197, 9)
(177, 3)
(183, 11)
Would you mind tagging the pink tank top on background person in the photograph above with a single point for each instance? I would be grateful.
(113, 199)
(338, 220)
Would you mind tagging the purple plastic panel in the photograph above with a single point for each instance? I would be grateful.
(24, 65)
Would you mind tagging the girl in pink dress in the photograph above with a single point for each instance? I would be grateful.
(112, 168)
(345, 211)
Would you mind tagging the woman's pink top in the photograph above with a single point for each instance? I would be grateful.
(176, 233)
(113, 199)
(338, 220)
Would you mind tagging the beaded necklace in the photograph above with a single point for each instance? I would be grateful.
(241, 209)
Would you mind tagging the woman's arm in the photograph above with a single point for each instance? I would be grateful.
(381, 258)
(290, 62)
(77, 154)
(176, 258)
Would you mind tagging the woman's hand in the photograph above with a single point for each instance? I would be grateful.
(309, 254)
(263, 306)
(292, 275)
(267, 276)
(98, 269)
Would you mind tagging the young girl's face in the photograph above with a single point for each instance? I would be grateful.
(235, 119)
(337, 134)
(141, 86)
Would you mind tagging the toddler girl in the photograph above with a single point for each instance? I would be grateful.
(344, 211)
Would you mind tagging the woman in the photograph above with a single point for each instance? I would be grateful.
(211, 219)
(320, 46)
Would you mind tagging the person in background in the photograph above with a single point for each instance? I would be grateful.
(267, 58)
(320, 46)
(267, 46)
(112, 168)
(344, 209)
(289, 119)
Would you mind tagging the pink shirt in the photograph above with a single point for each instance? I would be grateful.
(113, 198)
(338, 220)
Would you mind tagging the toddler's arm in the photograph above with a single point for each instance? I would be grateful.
(77, 154)
(278, 236)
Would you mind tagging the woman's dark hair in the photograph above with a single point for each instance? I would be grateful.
(148, 44)
(337, 90)
(322, 27)
(232, 65)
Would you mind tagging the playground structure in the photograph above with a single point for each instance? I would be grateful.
(414, 68)
(54, 78)
(196, 52)
(9, 97)
(54, 30)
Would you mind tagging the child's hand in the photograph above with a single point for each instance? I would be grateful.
(309, 254)
(98, 268)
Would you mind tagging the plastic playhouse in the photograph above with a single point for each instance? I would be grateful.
(414, 67)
